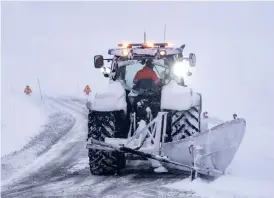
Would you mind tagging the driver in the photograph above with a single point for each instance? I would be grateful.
(147, 72)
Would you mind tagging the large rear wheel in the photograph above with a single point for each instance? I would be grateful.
(100, 126)
(182, 124)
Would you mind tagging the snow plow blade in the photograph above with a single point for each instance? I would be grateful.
(95, 144)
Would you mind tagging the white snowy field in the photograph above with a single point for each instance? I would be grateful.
(251, 173)
(22, 117)
(234, 72)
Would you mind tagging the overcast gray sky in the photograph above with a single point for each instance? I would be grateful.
(233, 42)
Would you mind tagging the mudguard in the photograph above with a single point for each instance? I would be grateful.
(177, 97)
(112, 99)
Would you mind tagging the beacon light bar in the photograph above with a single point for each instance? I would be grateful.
(145, 45)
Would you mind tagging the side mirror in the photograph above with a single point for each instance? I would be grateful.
(235, 116)
(98, 61)
(192, 60)
(183, 46)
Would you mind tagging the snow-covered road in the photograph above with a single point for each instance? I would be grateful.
(55, 163)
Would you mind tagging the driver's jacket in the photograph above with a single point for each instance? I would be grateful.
(146, 73)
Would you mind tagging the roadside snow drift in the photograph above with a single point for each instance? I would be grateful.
(22, 117)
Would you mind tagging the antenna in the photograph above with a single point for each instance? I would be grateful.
(165, 34)
(145, 37)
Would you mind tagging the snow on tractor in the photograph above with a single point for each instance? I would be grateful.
(162, 123)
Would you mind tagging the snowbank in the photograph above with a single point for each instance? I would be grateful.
(227, 187)
(250, 174)
(22, 117)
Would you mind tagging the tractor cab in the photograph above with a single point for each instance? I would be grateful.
(169, 63)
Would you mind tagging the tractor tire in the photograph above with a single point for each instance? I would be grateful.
(100, 126)
(183, 124)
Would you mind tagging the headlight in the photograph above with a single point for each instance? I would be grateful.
(181, 68)
(162, 52)
(125, 52)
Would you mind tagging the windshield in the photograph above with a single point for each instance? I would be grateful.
(127, 72)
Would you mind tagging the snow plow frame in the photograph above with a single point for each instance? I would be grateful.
(158, 131)
(153, 150)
